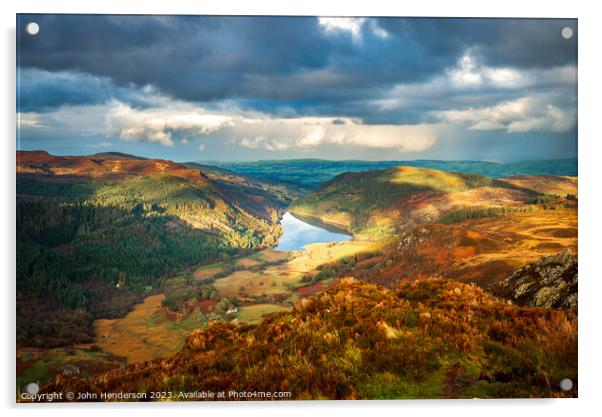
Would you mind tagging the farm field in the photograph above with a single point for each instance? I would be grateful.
(143, 334)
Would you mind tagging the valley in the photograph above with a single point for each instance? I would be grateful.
(135, 254)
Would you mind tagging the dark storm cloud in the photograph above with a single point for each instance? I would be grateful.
(42, 91)
(193, 58)
(276, 64)
(521, 43)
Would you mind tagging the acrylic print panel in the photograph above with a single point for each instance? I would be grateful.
(295, 208)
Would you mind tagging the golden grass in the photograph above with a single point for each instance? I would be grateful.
(272, 255)
(254, 313)
(546, 184)
(247, 283)
(484, 251)
(282, 277)
(317, 254)
(135, 338)
(202, 274)
(439, 180)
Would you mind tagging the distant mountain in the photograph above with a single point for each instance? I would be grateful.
(313, 172)
(427, 339)
(115, 155)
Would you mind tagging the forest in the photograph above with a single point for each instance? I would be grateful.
(91, 248)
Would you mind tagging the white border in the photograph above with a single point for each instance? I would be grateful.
(590, 158)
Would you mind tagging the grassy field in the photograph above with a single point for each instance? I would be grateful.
(139, 336)
(206, 272)
(256, 312)
(285, 271)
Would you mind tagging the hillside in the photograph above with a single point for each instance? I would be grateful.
(546, 184)
(432, 223)
(89, 224)
(254, 189)
(312, 173)
(381, 202)
(426, 339)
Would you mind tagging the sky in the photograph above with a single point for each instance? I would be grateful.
(224, 88)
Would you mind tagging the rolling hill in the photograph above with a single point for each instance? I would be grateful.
(383, 201)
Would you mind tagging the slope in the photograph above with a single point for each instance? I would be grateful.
(374, 203)
(427, 339)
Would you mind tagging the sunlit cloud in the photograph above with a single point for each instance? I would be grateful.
(352, 25)
(311, 133)
(469, 77)
(28, 121)
(161, 124)
(522, 115)
(183, 122)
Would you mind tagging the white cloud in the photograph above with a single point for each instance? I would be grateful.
(183, 122)
(470, 80)
(306, 133)
(161, 124)
(28, 120)
(469, 72)
(521, 115)
(352, 26)
(377, 30)
(201, 147)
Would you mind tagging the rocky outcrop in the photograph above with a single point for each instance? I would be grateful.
(551, 281)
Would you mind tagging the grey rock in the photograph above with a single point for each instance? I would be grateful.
(551, 281)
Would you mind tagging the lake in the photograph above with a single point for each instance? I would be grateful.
(297, 233)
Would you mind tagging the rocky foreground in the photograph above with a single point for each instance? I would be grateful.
(551, 281)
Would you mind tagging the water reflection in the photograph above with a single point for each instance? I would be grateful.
(296, 234)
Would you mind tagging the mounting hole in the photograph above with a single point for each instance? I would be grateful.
(32, 388)
(566, 384)
(32, 28)
(566, 32)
